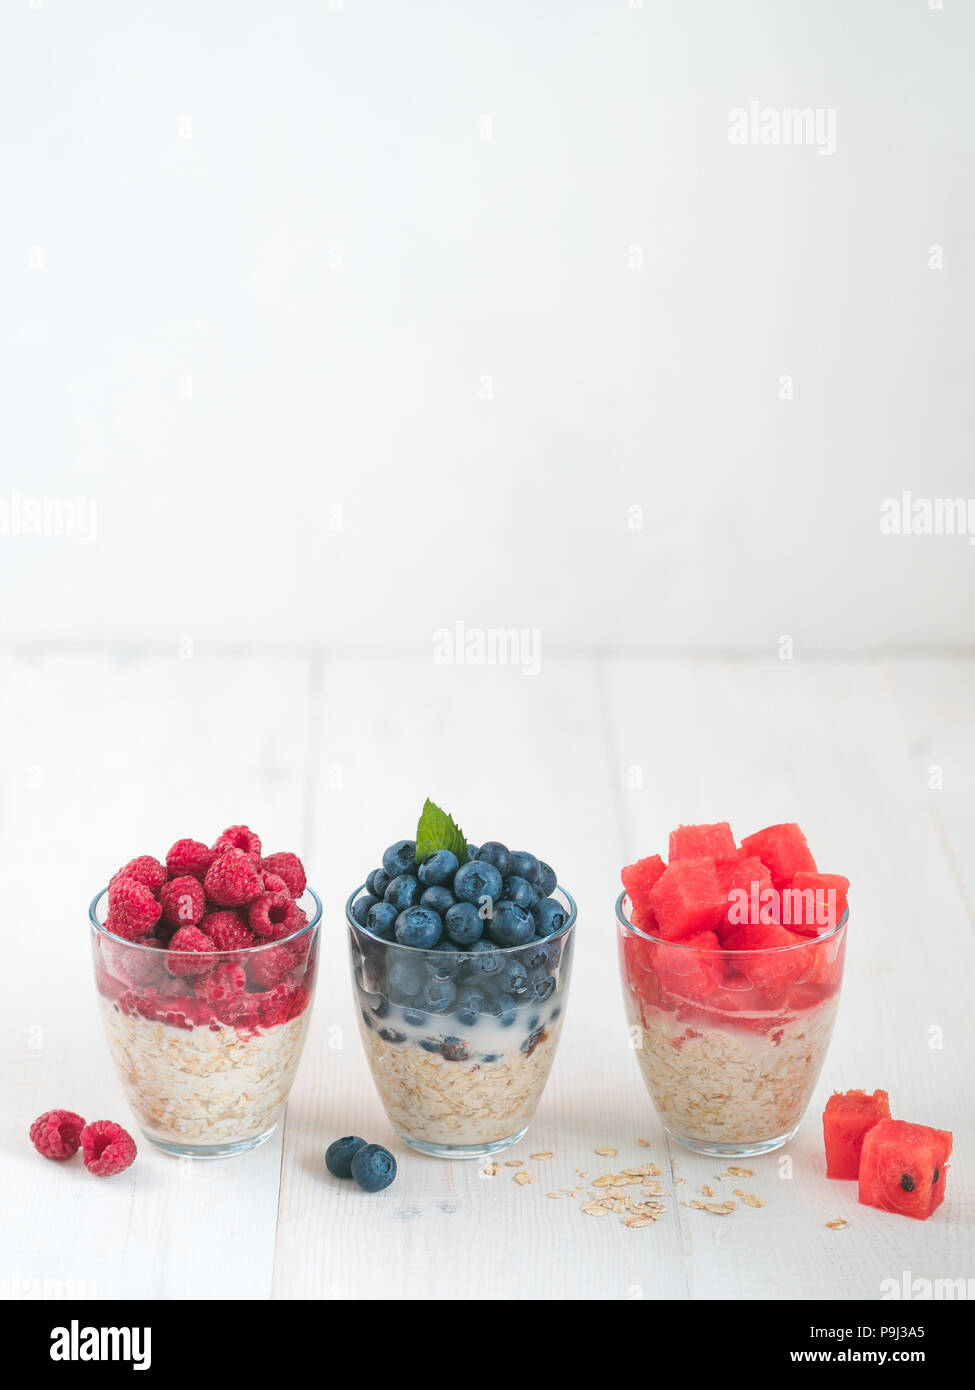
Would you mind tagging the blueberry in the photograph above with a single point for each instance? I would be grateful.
(400, 858)
(520, 891)
(490, 958)
(381, 1007)
(438, 898)
(511, 925)
(470, 1004)
(542, 984)
(406, 976)
(555, 1012)
(430, 1044)
(489, 1056)
(377, 882)
(402, 891)
(380, 920)
(516, 977)
(439, 868)
(472, 850)
(414, 1018)
(523, 864)
(463, 923)
(453, 1049)
(443, 962)
(373, 1168)
(531, 1042)
(533, 1022)
(391, 1035)
(493, 852)
(418, 926)
(339, 1156)
(365, 1018)
(549, 915)
(506, 1010)
(438, 995)
(361, 907)
(476, 880)
(546, 881)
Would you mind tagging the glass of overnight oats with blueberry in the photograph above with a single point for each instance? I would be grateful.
(205, 968)
(461, 956)
(731, 959)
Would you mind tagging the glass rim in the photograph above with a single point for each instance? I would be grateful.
(462, 950)
(310, 925)
(629, 926)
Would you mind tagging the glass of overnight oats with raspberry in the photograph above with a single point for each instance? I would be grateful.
(205, 969)
(461, 957)
(731, 959)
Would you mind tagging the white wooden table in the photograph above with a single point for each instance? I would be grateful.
(110, 754)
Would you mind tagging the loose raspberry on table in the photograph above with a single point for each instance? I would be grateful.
(189, 857)
(106, 1148)
(145, 870)
(187, 951)
(228, 930)
(274, 883)
(239, 837)
(57, 1133)
(132, 910)
(233, 880)
(270, 966)
(223, 983)
(183, 901)
(273, 916)
(289, 867)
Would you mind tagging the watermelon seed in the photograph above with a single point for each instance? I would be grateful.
(907, 1183)
(937, 1175)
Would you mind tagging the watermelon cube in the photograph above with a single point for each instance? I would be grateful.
(847, 1118)
(814, 903)
(638, 879)
(745, 881)
(903, 1168)
(702, 842)
(687, 899)
(783, 849)
(769, 964)
(693, 969)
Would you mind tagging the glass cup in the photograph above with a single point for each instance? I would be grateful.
(206, 1056)
(461, 1043)
(730, 1043)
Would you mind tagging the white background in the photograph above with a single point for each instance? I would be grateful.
(336, 258)
(257, 262)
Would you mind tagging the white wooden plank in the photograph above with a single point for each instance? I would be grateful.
(821, 743)
(103, 758)
(523, 759)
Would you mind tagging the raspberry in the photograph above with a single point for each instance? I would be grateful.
(57, 1133)
(269, 967)
(145, 870)
(106, 1148)
(139, 966)
(186, 952)
(223, 983)
(239, 837)
(233, 880)
(227, 930)
(273, 916)
(189, 857)
(274, 883)
(242, 1012)
(281, 1003)
(183, 901)
(289, 867)
(132, 910)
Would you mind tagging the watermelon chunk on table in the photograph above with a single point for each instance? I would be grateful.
(847, 1118)
(904, 1167)
(702, 842)
(638, 879)
(687, 899)
(807, 910)
(783, 849)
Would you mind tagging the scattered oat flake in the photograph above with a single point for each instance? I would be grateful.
(542, 1154)
(695, 1205)
(741, 1172)
(554, 1194)
(594, 1209)
(838, 1224)
(607, 1180)
(582, 1172)
(524, 1179)
(750, 1199)
(720, 1177)
(658, 1171)
(644, 1143)
(655, 1188)
(491, 1170)
(678, 1181)
(705, 1191)
(635, 1222)
(513, 1163)
(720, 1208)
(606, 1151)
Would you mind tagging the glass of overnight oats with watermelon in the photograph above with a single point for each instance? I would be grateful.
(731, 958)
(461, 956)
(205, 969)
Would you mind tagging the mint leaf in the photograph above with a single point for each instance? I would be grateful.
(438, 830)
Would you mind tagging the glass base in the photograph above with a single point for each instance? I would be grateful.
(226, 1150)
(462, 1150)
(715, 1149)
